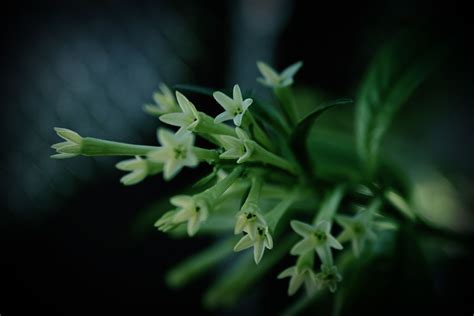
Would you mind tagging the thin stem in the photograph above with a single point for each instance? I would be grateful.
(98, 147)
(265, 156)
(206, 154)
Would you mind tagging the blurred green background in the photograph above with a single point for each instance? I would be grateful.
(75, 241)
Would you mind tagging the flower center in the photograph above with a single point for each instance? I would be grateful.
(320, 236)
(260, 231)
(237, 111)
(179, 152)
(358, 228)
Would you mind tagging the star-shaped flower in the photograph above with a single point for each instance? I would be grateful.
(262, 240)
(316, 237)
(240, 148)
(175, 153)
(191, 209)
(187, 119)
(164, 102)
(299, 276)
(358, 229)
(328, 277)
(72, 145)
(234, 108)
(249, 219)
(273, 79)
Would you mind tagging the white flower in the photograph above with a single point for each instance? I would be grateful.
(175, 153)
(273, 79)
(298, 276)
(358, 229)
(193, 210)
(249, 219)
(164, 102)
(234, 108)
(72, 145)
(240, 148)
(262, 240)
(187, 119)
(315, 237)
(139, 168)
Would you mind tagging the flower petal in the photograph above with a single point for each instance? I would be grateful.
(193, 225)
(268, 73)
(301, 228)
(244, 243)
(268, 240)
(232, 153)
(176, 119)
(333, 243)
(295, 283)
(183, 201)
(183, 215)
(246, 104)
(166, 137)
(224, 116)
(237, 94)
(159, 155)
(287, 273)
(171, 168)
(302, 246)
(291, 70)
(258, 250)
(238, 119)
(227, 103)
(134, 177)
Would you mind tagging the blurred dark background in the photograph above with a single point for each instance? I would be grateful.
(72, 237)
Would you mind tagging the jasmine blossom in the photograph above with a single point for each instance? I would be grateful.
(176, 153)
(191, 119)
(191, 209)
(262, 240)
(357, 229)
(316, 237)
(249, 217)
(234, 108)
(301, 273)
(273, 79)
(164, 102)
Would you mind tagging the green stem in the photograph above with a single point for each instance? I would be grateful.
(257, 132)
(255, 189)
(98, 147)
(206, 125)
(263, 155)
(274, 216)
(214, 193)
(206, 154)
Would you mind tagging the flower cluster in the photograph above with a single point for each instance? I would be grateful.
(257, 181)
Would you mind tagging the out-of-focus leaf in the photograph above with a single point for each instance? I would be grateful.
(200, 263)
(397, 70)
(300, 134)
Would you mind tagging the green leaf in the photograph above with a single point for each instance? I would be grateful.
(397, 70)
(300, 133)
